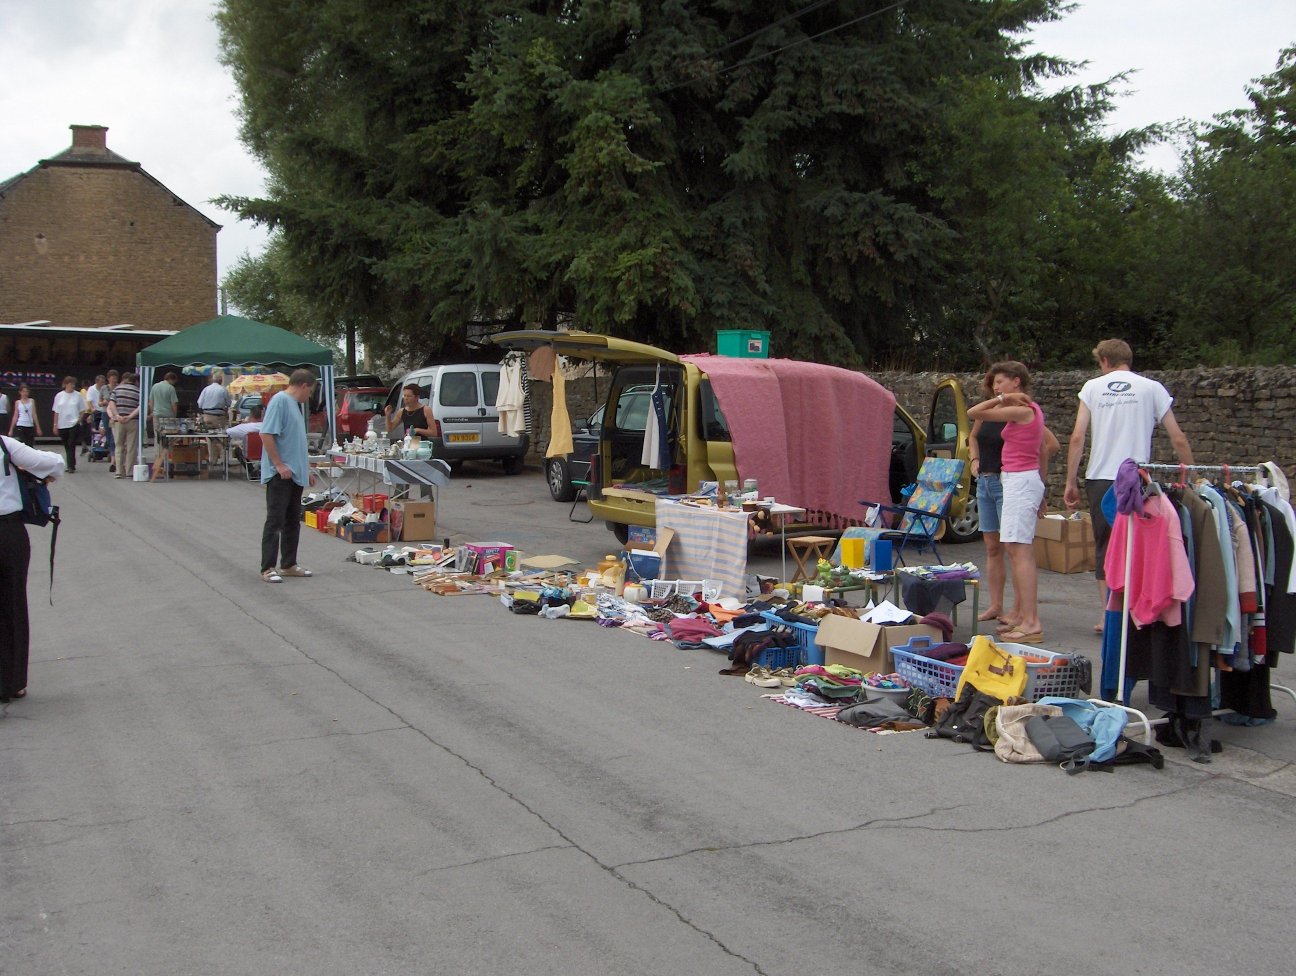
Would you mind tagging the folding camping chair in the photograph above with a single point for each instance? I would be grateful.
(251, 456)
(926, 512)
(582, 492)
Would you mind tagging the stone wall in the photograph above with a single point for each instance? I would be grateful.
(1231, 415)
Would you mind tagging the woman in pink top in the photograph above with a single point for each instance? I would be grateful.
(1027, 447)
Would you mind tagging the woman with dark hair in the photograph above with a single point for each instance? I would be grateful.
(414, 416)
(25, 425)
(15, 556)
(1026, 448)
(985, 448)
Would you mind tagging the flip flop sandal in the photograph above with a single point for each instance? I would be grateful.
(270, 576)
(299, 573)
(1021, 637)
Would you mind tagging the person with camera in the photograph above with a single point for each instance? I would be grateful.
(15, 557)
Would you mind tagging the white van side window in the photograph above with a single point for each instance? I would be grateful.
(458, 390)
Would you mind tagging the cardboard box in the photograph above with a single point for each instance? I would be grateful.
(866, 647)
(486, 557)
(358, 533)
(648, 558)
(1064, 545)
(413, 521)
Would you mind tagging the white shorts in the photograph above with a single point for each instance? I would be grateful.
(1022, 493)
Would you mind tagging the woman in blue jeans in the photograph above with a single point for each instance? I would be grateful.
(985, 448)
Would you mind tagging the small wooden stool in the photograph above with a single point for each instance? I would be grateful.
(808, 549)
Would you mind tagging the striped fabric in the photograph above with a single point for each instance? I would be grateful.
(708, 544)
(126, 396)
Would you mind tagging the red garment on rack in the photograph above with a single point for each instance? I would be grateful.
(1160, 578)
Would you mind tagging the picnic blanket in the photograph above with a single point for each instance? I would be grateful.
(814, 436)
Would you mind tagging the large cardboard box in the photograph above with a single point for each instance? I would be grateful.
(413, 521)
(1064, 544)
(866, 647)
(358, 533)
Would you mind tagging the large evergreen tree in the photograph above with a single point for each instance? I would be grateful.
(655, 169)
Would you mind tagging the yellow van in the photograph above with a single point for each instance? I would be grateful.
(704, 451)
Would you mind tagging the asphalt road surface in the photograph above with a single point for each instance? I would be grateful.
(347, 775)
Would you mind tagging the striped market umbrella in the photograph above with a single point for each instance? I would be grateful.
(271, 383)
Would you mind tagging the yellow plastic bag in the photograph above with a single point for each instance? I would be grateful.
(993, 670)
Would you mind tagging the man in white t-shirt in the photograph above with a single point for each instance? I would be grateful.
(1124, 409)
(238, 433)
(69, 408)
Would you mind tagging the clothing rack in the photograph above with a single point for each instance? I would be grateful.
(1227, 470)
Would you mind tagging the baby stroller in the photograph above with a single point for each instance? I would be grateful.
(99, 450)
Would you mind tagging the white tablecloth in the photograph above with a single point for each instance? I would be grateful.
(708, 544)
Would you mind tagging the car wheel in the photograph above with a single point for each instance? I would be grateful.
(512, 465)
(559, 480)
(966, 528)
(621, 531)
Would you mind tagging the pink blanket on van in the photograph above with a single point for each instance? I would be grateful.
(814, 436)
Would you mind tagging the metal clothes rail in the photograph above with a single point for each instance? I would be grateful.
(1227, 470)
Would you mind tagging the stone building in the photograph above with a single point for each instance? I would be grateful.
(88, 238)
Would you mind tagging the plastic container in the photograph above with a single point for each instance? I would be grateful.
(804, 653)
(373, 503)
(747, 343)
(1047, 673)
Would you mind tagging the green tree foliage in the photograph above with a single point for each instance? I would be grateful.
(1231, 256)
(664, 169)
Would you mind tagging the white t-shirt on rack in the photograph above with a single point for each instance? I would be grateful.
(1124, 410)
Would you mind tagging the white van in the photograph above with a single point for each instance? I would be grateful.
(462, 398)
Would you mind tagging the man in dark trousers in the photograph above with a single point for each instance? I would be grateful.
(285, 471)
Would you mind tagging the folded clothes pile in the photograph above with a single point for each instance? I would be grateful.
(834, 682)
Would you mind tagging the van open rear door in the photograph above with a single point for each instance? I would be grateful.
(948, 434)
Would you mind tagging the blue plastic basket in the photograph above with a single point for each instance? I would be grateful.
(939, 679)
(804, 653)
(1047, 673)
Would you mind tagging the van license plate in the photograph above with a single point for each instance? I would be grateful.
(462, 438)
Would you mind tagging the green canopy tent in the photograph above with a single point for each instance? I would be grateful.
(230, 340)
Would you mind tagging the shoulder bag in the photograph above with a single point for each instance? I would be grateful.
(38, 507)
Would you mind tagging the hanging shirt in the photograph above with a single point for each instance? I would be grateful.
(1160, 578)
(1232, 613)
(560, 435)
(1273, 496)
(1124, 408)
(509, 400)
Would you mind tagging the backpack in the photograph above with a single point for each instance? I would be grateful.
(38, 507)
(1104, 723)
(1008, 731)
(964, 721)
(1061, 740)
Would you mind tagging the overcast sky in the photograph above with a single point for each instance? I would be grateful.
(147, 69)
